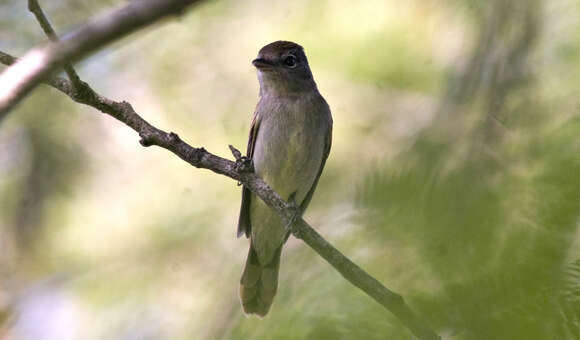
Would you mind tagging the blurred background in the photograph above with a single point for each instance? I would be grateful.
(454, 175)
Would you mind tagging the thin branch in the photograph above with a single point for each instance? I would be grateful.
(240, 171)
(35, 8)
(354, 274)
(22, 77)
(58, 83)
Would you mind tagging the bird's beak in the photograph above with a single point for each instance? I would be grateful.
(261, 63)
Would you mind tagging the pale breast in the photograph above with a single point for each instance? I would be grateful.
(289, 148)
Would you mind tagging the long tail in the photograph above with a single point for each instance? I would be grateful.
(259, 283)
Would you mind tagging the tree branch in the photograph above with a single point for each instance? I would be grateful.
(22, 77)
(200, 158)
(35, 8)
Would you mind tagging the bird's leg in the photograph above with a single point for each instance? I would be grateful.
(243, 163)
(296, 213)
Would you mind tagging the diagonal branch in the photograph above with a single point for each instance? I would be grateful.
(58, 83)
(200, 158)
(21, 78)
(35, 8)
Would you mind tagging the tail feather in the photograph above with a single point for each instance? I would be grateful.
(259, 283)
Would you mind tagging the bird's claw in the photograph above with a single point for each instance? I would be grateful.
(244, 164)
(294, 216)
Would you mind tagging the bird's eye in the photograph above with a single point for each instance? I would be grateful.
(290, 61)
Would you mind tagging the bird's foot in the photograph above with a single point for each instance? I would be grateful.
(244, 164)
(294, 215)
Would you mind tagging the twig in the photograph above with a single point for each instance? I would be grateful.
(35, 8)
(58, 83)
(22, 77)
(201, 158)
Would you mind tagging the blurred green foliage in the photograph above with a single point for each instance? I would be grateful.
(453, 178)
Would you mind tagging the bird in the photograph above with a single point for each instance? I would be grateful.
(289, 143)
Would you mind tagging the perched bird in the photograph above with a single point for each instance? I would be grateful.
(289, 142)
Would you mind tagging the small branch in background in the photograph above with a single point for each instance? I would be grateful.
(58, 83)
(19, 79)
(35, 8)
(242, 171)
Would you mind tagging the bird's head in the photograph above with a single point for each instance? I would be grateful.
(283, 68)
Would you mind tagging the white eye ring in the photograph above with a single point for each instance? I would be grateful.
(290, 61)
